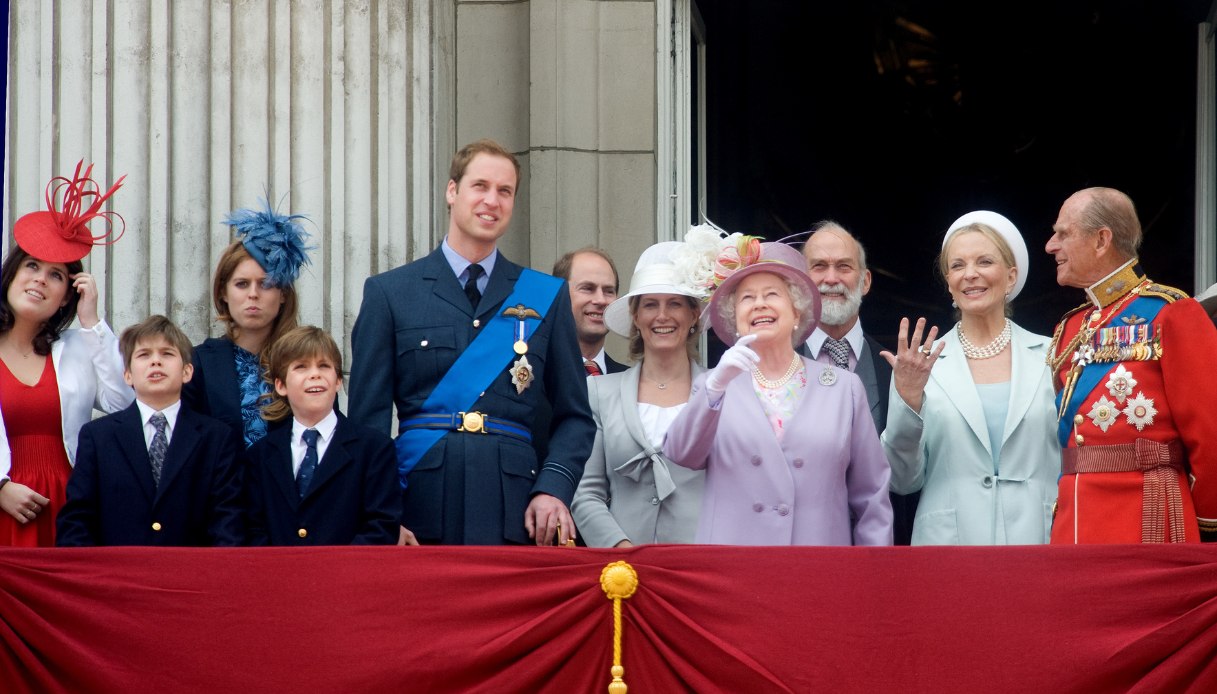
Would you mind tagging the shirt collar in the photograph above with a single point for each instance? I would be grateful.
(146, 412)
(854, 337)
(325, 427)
(599, 359)
(460, 263)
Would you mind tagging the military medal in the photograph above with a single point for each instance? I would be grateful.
(1103, 413)
(1140, 411)
(520, 312)
(1084, 355)
(1121, 383)
(828, 376)
(521, 373)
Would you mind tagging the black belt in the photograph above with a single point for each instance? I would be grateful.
(468, 422)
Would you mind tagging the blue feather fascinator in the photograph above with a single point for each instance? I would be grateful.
(275, 241)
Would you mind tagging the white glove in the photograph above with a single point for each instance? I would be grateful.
(735, 361)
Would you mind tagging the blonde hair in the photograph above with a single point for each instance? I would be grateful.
(1003, 249)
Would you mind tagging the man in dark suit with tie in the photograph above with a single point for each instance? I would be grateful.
(465, 345)
(836, 262)
(592, 278)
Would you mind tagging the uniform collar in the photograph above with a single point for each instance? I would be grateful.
(1108, 290)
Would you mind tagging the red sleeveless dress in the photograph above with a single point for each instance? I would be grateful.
(34, 426)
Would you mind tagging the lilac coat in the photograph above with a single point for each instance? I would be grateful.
(828, 469)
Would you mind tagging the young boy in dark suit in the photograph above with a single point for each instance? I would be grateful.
(324, 480)
(155, 473)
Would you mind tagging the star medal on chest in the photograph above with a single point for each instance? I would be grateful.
(521, 370)
(521, 374)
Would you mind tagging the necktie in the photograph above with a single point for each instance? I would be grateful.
(592, 368)
(309, 464)
(471, 285)
(158, 447)
(839, 351)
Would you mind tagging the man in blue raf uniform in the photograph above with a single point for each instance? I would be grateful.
(467, 345)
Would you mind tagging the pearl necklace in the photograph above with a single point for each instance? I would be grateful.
(781, 380)
(994, 348)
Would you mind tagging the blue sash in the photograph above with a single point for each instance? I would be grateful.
(477, 367)
(1143, 306)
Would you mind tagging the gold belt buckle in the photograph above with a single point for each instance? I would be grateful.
(473, 422)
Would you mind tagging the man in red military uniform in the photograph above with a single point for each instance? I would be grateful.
(1135, 382)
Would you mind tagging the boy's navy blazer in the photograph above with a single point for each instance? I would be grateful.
(113, 500)
(353, 499)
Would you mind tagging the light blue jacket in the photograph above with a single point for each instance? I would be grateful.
(945, 452)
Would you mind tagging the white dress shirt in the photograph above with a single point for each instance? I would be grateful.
(325, 430)
(145, 416)
(815, 345)
(599, 359)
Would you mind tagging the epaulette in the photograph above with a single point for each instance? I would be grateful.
(1162, 291)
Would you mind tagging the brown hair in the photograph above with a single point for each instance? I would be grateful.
(152, 327)
(233, 256)
(58, 322)
(691, 340)
(304, 342)
(460, 160)
(563, 266)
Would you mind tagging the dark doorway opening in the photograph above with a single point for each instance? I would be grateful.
(894, 118)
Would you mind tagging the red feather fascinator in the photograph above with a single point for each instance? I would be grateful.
(61, 234)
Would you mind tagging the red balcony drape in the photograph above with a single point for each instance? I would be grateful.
(704, 619)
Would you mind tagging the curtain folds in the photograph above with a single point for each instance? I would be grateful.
(704, 619)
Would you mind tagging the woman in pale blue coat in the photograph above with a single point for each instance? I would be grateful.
(972, 423)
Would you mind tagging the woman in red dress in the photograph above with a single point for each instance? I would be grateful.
(51, 377)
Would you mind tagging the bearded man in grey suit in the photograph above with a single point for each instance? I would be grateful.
(836, 262)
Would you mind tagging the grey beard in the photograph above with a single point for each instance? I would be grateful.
(833, 312)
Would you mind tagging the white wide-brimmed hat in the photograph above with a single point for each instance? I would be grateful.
(1008, 231)
(655, 273)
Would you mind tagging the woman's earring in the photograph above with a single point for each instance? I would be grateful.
(692, 330)
(953, 304)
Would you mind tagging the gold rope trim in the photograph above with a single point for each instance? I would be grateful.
(619, 580)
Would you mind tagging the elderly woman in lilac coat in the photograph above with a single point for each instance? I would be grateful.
(788, 445)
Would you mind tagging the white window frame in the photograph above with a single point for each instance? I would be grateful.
(1206, 155)
(679, 41)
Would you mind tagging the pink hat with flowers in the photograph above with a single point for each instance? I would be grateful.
(748, 255)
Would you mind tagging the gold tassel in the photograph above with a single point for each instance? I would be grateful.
(619, 581)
